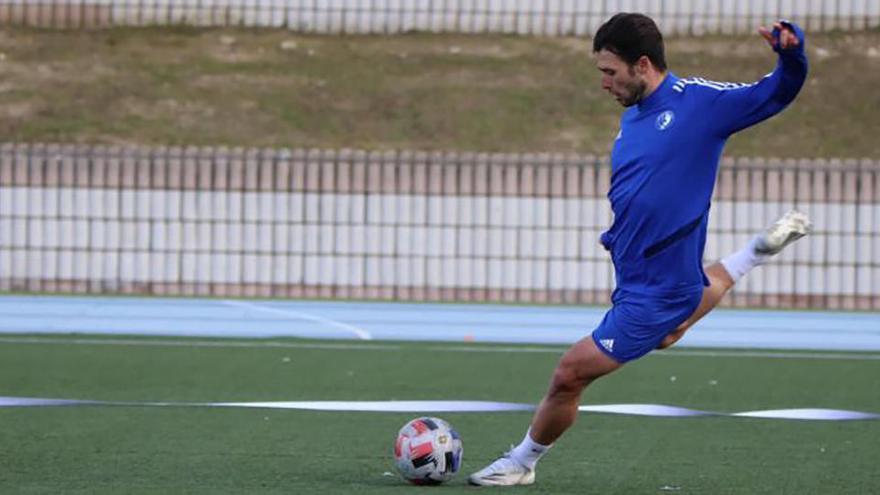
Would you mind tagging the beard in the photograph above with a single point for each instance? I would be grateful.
(633, 93)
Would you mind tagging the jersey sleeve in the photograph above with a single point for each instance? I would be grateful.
(733, 107)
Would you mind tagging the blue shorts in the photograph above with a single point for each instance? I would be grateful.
(637, 323)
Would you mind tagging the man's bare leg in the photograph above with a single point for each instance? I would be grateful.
(724, 274)
(579, 366)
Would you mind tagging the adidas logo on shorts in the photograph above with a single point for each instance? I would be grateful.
(608, 344)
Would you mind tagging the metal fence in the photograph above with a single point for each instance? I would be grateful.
(397, 225)
(532, 17)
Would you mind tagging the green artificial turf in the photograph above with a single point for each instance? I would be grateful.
(139, 449)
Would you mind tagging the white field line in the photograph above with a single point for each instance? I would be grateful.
(517, 349)
(359, 332)
(429, 406)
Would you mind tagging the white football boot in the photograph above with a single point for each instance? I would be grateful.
(505, 471)
(789, 228)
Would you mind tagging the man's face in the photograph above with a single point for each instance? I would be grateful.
(623, 81)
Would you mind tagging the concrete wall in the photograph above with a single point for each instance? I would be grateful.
(442, 226)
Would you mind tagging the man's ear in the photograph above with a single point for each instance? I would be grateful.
(643, 65)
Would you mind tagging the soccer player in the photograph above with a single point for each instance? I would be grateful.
(664, 163)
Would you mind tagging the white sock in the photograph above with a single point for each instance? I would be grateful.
(742, 261)
(529, 452)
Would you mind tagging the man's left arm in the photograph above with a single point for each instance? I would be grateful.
(735, 109)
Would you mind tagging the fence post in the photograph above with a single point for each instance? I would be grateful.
(449, 228)
(465, 228)
(536, 289)
(480, 221)
(850, 242)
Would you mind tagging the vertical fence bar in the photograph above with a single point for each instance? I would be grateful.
(199, 166)
(775, 198)
(414, 243)
(828, 191)
(311, 231)
(874, 167)
(262, 161)
(555, 281)
(248, 240)
(214, 174)
(34, 218)
(588, 217)
(120, 232)
(94, 198)
(109, 216)
(464, 230)
(401, 230)
(166, 178)
(238, 193)
(341, 199)
(480, 222)
(281, 196)
(65, 206)
(296, 223)
(433, 223)
(9, 228)
(388, 218)
(540, 267)
(245, 181)
(325, 229)
(143, 195)
(818, 240)
(572, 198)
(449, 231)
(529, 235)
(50, 198)
(20, 211)
(494, 222)
(355, 219)
(850, 237)
(792, 275)
(372, 219)
(803, 201)
(513, 273)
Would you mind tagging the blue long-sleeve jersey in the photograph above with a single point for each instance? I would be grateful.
(664, 164)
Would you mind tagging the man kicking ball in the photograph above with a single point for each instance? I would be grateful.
(664, 163)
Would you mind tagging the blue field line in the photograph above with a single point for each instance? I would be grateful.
(723, 328)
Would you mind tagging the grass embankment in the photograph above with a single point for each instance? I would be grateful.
(435, 92)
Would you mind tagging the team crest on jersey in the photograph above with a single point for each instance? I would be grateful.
(664, 120)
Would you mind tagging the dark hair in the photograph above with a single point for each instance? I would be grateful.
(629, 36)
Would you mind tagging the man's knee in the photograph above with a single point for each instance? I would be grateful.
(667, 341)
(673, 337)
(579, 367)
(566, 380)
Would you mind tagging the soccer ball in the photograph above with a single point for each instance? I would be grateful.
(427, 451)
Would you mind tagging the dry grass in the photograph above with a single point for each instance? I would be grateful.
(494, 93)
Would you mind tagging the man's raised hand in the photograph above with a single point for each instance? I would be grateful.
(787, 38)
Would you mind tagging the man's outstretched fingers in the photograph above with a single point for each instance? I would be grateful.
(767, 34)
